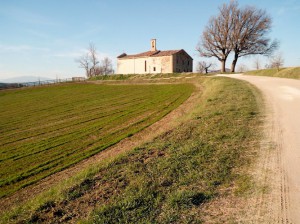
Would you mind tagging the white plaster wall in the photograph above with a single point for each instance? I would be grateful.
(153, 65)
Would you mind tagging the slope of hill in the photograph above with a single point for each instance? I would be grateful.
(192, 173)
(291, 72)
(45, 130)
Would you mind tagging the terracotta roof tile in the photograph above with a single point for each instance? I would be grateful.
(166, 53)
(152, 54)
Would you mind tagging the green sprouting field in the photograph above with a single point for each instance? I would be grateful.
(44, 130)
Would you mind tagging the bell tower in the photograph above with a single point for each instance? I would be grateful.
(153, 45)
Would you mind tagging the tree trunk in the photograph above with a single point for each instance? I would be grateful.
(223, 65)
(236, 57)
(87, 73)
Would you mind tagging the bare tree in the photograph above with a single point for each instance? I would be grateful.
(84, 62)
(249, 33)
(106, 64)
(276, 61)
(89, 61)
(243, 31)
(216, 38)
(256, 63)
(93, 58)
(203, 66)
(242, 68)
(105, 67)
(267, 65)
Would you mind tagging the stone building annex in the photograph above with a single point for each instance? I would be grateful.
(155, 61)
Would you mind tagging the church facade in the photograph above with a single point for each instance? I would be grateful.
(155, 61)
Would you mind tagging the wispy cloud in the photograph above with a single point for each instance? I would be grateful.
(281, 11)
(25, 16)
(20, 48)
(70, 54)
(89, 31)
(78, 53)
(38, 34)
(291, 6)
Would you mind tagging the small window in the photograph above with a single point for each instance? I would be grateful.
(154, 69)
(188, 62)
(145, 66)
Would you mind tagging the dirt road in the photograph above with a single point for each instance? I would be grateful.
(280, 165)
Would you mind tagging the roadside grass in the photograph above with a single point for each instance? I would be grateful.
(172, 75)
(115, 77)
(291, 72)
(47, 129)
(170, 178)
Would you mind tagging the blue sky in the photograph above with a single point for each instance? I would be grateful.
(44, 37)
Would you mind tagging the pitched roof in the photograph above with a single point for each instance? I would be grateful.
(150, 54)
(166, 53)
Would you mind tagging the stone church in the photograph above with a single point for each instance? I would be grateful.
(155, 61)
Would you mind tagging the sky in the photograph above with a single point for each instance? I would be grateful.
(43, 38)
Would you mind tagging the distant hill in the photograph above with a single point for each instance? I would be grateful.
(3, 85)
(8, 85)
(21, 79)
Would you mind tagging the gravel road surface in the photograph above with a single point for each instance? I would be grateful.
(282, 101)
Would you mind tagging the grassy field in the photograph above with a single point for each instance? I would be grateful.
(292, 73)
(44, 130)
(179, 177)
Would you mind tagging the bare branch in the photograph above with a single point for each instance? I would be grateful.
(216, 40)
(249, 34)
(204, 66)
(89, 61)
(242, 68)
(105, 68)
(93, 58)
(84, 62)
(277, 61)
(243, 31)
(256, 63)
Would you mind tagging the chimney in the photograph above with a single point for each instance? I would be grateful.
(153, 45)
